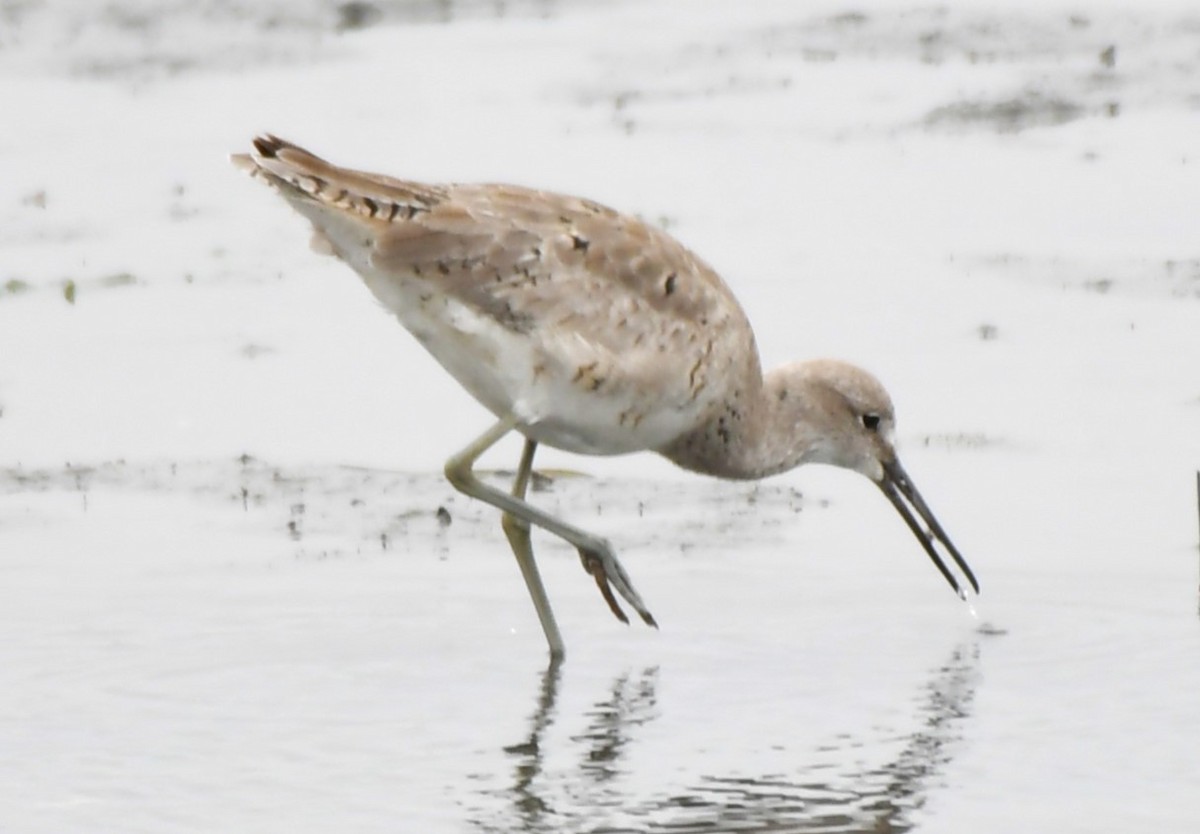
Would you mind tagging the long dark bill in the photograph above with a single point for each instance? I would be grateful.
(899, 489)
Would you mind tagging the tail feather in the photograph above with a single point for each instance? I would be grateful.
(303, 176)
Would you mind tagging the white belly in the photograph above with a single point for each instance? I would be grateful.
(539, 376)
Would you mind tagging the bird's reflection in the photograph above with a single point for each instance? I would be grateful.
(813, 798)
(629, 704)
(857, 802)
(530, 808)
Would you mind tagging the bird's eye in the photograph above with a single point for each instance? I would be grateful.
(870, 421)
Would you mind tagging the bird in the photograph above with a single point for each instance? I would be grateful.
(592, 331)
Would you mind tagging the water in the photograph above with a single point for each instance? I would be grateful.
(183, 658)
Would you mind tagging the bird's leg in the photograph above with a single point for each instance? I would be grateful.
(593, 549)
(518, 536)
(517, 531)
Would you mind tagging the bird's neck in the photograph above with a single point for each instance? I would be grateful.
(752, 434)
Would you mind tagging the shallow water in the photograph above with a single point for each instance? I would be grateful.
(186, 658)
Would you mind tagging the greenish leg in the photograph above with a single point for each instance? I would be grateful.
(517, 531)
(597, 554)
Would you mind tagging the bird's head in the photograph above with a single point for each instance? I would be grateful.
(843, 416)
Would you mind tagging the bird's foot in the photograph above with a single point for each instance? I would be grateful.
(604, 567)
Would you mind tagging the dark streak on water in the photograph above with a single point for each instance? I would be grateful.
(367, 510)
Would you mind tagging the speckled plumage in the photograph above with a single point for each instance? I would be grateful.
(591, 331)
(602, 333)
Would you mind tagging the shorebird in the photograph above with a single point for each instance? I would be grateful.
(591, 331)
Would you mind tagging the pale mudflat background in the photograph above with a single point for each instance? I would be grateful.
(229, 601)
